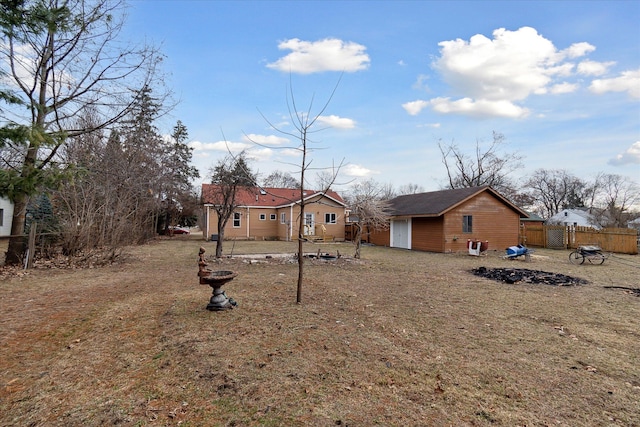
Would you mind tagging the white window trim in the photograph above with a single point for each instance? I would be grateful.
(333, 218)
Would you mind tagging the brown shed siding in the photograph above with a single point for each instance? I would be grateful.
(437, 219)
(492, 220)
(426, 234)
(379, 237)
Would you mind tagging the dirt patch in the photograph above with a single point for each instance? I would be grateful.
(523, 275)
(628, 290)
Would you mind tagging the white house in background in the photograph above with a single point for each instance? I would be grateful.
(573, 217)
(6, 216)
(634, 223)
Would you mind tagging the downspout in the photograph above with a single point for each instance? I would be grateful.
(248, 219)
(206, 222)
(291, 223)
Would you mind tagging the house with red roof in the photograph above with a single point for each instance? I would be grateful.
(274, 213)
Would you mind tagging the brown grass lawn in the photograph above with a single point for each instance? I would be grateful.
(398, 339)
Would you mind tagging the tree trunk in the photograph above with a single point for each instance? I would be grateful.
(219, 242)
(16, 249)
(357, 240)
(300, 255)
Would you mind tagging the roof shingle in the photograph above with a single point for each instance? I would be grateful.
(265, 197)
(436, 203)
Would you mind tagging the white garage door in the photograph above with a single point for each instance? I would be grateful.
(400, 234)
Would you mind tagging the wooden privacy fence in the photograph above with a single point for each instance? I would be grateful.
(619, 240)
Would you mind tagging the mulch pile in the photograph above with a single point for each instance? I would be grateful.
(522, 275)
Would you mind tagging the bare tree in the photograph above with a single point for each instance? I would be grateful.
(556, 189)
(410, 189)
(279, 179)
(487, 166)
(615, 196)
(304, 123)
(62, 58)
(229, 176)
(120, 183)
(369, 207)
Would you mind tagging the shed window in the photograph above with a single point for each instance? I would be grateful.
(263, 217)
(330, 218)
(272, 217)
(1, 217)
(467, 224)
(236, 219)
(283, 218)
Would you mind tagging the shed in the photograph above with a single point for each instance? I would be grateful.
(444, 221)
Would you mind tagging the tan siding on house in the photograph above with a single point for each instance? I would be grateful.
(319, 210)
(253, 228)
(426, 234)
(230, 232)
(265, 229)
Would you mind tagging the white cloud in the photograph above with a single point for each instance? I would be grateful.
(594, 68)
(628, 81)
(430, 125)
(564, 87)
(414, 107)
(511, 67)
(577, 50)
(290, 152)
(479, 108)
(356, 170)
(492, 76)
(259, 154)
(337, 122)
(265, 139)
(234, 147)
(631, 155)
(324, 55)
(421, 82)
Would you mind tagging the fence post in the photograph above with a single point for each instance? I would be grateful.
(31, 248)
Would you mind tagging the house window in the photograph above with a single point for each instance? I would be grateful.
(272, 217)
(329, 218)
(1, 217)
(263, 217)
(236, 219)
(283, 218)
(467, 224)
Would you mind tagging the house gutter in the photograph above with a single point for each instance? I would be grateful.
(290, 231)
(206, 221)
(248, 219)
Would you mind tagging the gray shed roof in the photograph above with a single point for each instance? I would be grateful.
(436, 203)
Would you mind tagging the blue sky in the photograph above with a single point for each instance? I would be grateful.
(560, 80)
